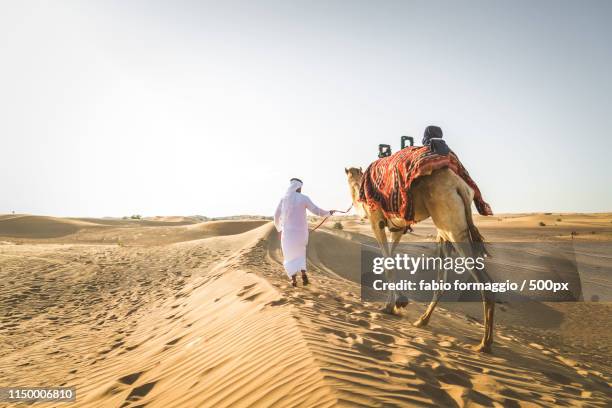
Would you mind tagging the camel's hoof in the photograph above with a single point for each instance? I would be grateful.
(420, 323)
(401, 301)
(482, 348)
(390, 309)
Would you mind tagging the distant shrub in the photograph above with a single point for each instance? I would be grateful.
(542, 224)
(136, 217)
(338, 225)
(559, 220)
(547, 213)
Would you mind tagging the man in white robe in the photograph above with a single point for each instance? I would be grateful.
(290, 220)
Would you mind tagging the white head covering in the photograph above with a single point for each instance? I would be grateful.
(288, 199)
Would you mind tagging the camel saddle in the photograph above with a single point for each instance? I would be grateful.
(386, 182)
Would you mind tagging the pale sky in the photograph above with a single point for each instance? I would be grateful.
(111, 108)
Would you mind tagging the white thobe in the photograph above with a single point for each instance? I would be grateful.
(290, 219)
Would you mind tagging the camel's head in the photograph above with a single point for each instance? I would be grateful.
(354, 176)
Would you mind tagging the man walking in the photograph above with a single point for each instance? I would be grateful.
(290, 221)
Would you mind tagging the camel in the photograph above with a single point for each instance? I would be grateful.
(447, 199)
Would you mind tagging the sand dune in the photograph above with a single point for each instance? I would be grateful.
(174, 219)
(30, 228)
(231, 227)
(209, 320)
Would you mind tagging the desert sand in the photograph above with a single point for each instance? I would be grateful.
(174, 312)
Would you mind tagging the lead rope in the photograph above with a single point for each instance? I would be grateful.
(325, 219)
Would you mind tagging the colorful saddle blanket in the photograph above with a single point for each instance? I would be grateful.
(386, 182)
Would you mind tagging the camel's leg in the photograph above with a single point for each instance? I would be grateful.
(396, 236)
(446, 208)
(488, 297)
(448, 211)
(488, 303)
(378, 224)
(400, 300)
(489, 311)
(441, 275)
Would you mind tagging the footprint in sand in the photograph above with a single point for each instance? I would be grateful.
(138, 393)
(117, 343)
(278, 302)
(338, 333)
(453, 377)
(360, 322)
(367, 348)
(381, 337)
(447, 341)
(174, 341)
(130, 378)
(252, 297)
(297, 299)
(247, 287)
(405, 357)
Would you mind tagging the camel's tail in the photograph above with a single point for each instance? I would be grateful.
(475, 236)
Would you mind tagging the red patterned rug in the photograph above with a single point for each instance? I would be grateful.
(386, 182)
